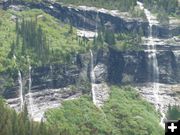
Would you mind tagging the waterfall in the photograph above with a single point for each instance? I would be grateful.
(92, 76)
(97, 21)
(177, 55)
(20, 87)
(30, 94)
(154, 68)
(20, 91)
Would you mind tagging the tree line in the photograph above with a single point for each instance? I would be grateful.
(164, 8)
(34, 40)
(12, 123)
(123, 5)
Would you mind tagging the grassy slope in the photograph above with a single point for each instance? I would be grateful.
(7, 34)
(124, 114)
(56, 31)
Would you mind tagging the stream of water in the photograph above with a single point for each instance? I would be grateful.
(20, 90)
(30, 94)
(153, 67)
(92, 75)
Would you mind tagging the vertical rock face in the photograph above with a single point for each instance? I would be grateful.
(167, 67)
(85, 17)
(115, 66)
(109, 66)
(55, 76)
(127, 66)
(132, 66)
(165, 31)
(177, 64)
(53, 84)
(50, 85)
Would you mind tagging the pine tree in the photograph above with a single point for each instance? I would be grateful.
(12, 51)
(109, 37)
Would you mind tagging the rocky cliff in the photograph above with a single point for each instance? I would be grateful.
(90, 18)
(51, 84)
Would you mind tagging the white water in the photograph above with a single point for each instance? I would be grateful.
(30, 94)
(97, 21)
(153, 60)
(92, 75)
(20, 91)
(20, 87)
(177, 55)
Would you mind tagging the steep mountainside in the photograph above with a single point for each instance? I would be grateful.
(87, 52)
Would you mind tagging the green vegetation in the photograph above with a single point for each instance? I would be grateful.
(122, 5)
(164, 9)
(121, 41)
(35, 38)
(124, 114)
(36, 28)
(169, 6)
(12, 123)
(173, 113)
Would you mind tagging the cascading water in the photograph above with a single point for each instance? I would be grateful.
(20, 91)
(153, 61)
(97, 21)
(20, 88)
(30, 94)
(92, 75)
(51, 76)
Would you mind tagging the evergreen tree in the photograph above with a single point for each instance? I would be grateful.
(12, 51)
(109, 37)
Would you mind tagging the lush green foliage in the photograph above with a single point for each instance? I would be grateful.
(79, 117)
(163, 8)
(124, 114)
(12, 123)
(35, 38)
(169, 6)
(59, 39)
(7, 34)
(123, 5)
(121, 41)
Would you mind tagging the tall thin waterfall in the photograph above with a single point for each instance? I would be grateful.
(20, 87)
(93, 79)
(51, 76)
(97, 21)
(154, 68)
(20, 91)
(30, 94)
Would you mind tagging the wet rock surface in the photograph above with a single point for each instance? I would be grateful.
(51, 84)
(44, 100)
(134, 65)
(167, 95)
(101, 93)
(56, 83)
